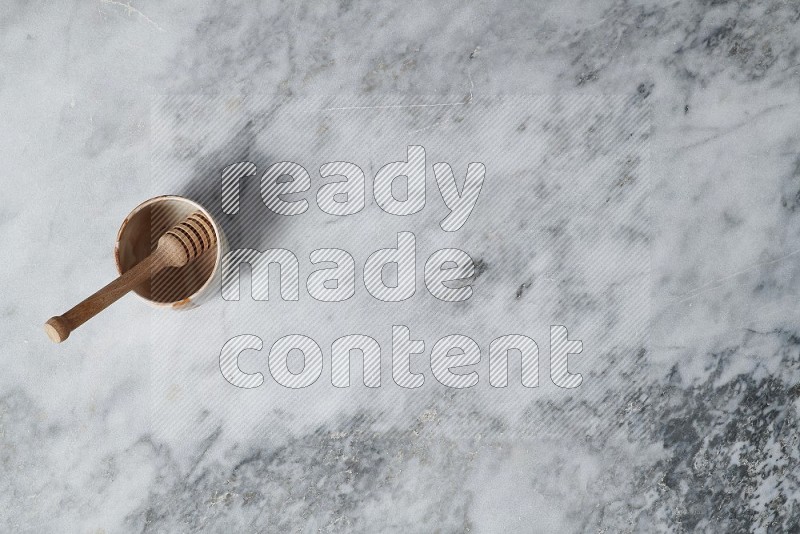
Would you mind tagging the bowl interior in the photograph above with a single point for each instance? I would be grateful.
(138, 237)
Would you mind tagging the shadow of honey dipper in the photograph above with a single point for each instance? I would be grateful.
(179, 246)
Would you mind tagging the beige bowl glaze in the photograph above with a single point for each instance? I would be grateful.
(181, 288)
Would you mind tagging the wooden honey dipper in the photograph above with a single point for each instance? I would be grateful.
(179, 246)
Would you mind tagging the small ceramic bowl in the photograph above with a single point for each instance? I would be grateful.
(177, 288)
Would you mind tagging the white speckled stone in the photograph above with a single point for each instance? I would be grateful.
(707, 440)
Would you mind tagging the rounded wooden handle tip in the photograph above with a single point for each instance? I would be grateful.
(57, 329)
(180, 245)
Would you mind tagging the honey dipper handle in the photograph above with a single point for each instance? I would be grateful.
(179, 246)
(58, 328)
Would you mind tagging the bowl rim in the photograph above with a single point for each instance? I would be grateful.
(161, 198)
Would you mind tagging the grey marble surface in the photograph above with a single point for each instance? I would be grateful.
(706, 441)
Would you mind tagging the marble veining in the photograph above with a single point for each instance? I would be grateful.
(706, 441)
